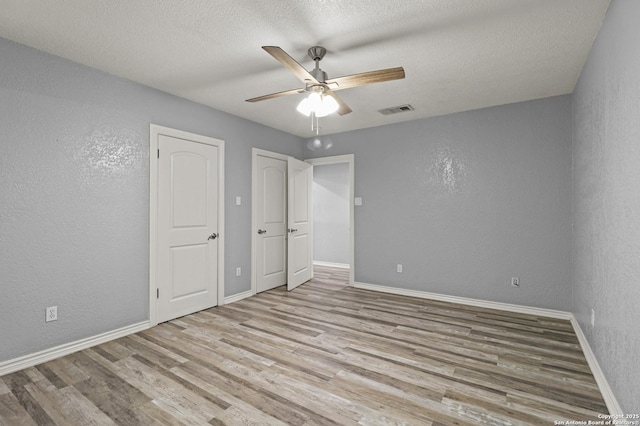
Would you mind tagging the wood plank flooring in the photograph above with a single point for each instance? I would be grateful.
(323, 354)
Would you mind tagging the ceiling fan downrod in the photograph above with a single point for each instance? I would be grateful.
(317, 53)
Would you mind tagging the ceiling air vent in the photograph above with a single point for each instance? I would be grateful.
(396, 109)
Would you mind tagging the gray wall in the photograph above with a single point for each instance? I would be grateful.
(466, 201)
(606, 200)
(74, 195)
(331, 213)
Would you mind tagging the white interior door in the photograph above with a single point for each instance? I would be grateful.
(300, 223)
(271, 223)
(187, 227)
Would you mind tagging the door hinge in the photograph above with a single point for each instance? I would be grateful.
(157, 293)
(158, 153)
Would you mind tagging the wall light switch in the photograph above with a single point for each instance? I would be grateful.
(238, 201)
(358, 201)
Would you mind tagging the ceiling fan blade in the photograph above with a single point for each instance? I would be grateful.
(289, 63)
(364, 78)
(276, 95)
(344, 108)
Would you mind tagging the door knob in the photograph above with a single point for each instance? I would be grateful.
(292, 230)
(262, 231)
(213, 236)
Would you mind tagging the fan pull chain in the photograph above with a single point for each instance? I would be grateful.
(315, 126)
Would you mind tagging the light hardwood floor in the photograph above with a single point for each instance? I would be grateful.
(325, 353)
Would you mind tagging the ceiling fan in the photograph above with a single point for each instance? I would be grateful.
(322, 91)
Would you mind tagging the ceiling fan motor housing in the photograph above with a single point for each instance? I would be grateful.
(319, 75)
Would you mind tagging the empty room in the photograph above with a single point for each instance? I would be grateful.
(298, 212)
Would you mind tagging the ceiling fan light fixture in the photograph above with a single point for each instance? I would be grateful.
(328, 106)
(318, 103)
(304, 107)
(315, 102)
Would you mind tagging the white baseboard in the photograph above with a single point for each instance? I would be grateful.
(598, 374)
(238, 297)
(332, 264)
(601, 380)
(26, 361)
(30, 360)
(467, 301)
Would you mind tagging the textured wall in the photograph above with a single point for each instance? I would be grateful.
(466, 201)
(74, 195)
(331, 213)
(606, 201)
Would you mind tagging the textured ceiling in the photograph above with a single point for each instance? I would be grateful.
(457, 54)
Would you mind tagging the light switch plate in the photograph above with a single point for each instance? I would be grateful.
(358, 201)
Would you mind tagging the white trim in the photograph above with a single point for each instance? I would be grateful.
(335, 159)
(331, 264)
(598, 374)
(350, 159)
(467, 301)
(255, 152)
(154, 132)
(153, 221)
(36, 358)
(237, 297)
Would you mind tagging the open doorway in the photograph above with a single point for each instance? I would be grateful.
(333, 212)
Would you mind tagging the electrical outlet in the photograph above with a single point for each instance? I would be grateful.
(515, 281)
(593, 317)
(399, 268)
(238, 271)
(51, 314)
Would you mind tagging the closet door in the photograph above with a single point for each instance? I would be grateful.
(300, 222)
(188, 226)
(271, 221)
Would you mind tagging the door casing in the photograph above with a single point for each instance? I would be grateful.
(154, 132)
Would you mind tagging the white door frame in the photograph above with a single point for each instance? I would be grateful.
(154, 132)
(255, 152)
(349, 159)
